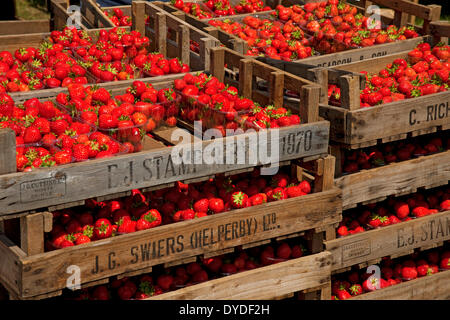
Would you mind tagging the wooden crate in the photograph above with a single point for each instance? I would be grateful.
(28, 272)
(60, 16)
(233, 42)
(94, 15)
(75, 182)
(270, 282)
(387, 122)
(172, 36)
(404, 10)
(197, 62)
(395, 179)
(15, 27)
(432, 287)
(396, 240)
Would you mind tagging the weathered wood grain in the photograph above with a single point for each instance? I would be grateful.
(24, 26)
(72, 182)
(394, 179)
(397, 239)
(263, 283)
(46, 272)
(432, 287)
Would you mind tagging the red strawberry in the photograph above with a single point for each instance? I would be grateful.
(284, 251)
(153, 217)
(342, 231)
(165, 281)
(401, 210)
(102, 229)
(216, 205)
(343, 294)
(32, 135)
(409, 273)
(356, 289)
(371, 284)
(239, 199)
(294, 191)
(445, 263)
(258, 199)
(80, 152)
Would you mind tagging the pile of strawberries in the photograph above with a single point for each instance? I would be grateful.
(394, 210)
(155, 64)
(376, 156)
(140, 211)
(47, 136)
(220, 107)
(197, 9)
(424, 72)
(71, 56)
(219, 8)
(297, 32)
(108, 59)
(49, 66)
(337, 26)
(119, 18)
(417, 265)
(276, 39)
(127, 117)
(174, 278)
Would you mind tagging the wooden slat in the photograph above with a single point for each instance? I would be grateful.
(418, 10)
(7, 151)
(399, 117)
(246, 78)
(350, 92)
(10, 265)
(94, 15)
(309, 103)
(261, 283)
(24, 26)
(218, 63)
(432, 287)
(32, 233)
(324, 180)
(137, 18)
(394, 179)
(345, 57)
(398, 239)
(46, 272)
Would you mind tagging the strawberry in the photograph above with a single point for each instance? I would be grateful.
(153, 217)
(201, 205)
(216, 205)
(343, 294)
(239, 199)
(284, 251)
(101, 293)
(356, 289)
(409, 273)
(102, 229)
(401, 210)
(294, 191)
(127, 291)
(82, 239)
(258, 199)
(371, 284)
(342, 231)
(80, 152)
(32, 134)
(165, 281)
(445, 263)
(126, 225)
